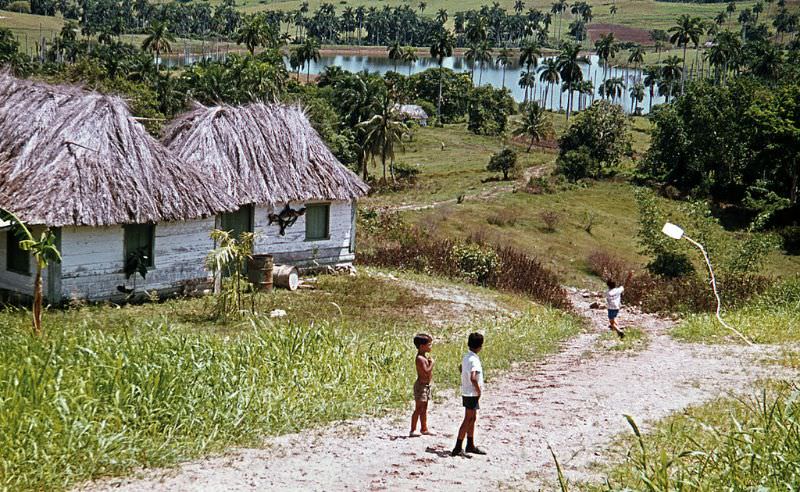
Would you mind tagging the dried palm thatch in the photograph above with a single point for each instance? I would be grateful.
(71, 157)
(262, 154)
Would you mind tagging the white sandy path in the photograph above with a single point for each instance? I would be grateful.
(574, 400)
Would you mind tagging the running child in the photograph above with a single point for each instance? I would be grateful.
(614, 303)
(422, 386)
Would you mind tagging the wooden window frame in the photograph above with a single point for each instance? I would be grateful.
(12, 246)
(327, 207)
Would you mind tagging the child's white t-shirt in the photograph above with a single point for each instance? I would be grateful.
(470, 363)
(614, 298)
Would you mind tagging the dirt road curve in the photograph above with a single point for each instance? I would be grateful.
(574, 400)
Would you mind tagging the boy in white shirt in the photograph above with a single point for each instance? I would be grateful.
(471, 386)
(614, 304)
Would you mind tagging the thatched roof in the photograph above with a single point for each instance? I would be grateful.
(71, 157)
(262, 154)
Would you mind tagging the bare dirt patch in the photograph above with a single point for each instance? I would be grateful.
(622, 33)
(573, 401)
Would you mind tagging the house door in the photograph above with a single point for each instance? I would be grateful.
(237, 222)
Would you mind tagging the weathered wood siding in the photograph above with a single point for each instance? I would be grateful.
(293, 247)
(94, 258)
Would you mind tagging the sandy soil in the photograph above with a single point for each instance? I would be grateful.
(573, 401)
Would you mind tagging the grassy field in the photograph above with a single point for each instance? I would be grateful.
(494, 209)
(110, 389)
(742, 443)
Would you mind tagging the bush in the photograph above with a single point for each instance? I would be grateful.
(601, 137)
(20, 6)
(406, 172)
(454, 87)
(489, 109)
(551, 219)
(503, 218)
(504, 161)
(671, 264)
(475, 262)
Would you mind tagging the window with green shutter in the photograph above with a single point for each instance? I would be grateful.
(17, 260)
(140, 238)
(317, 221)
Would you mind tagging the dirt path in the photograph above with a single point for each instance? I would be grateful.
(574, 401)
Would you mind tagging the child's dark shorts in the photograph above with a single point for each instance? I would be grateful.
(422, 391)
(471, 402)
(612, 313)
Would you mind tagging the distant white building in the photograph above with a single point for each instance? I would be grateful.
(412, 112)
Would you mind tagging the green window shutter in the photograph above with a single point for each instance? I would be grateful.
(140, 237)
(317, 220)
(17, 261)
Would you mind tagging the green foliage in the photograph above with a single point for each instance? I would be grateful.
(454, 87)
(600, 133)
(729, 142)
(116, 389)
(475, 262)
(504, 161)
(667, 257)
(19, 6)
(743, 443)
(791, 239)
(489, 109)
(228, 262)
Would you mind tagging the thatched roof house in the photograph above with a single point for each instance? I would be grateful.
(72, 157)
(262, 154)
(411, 112)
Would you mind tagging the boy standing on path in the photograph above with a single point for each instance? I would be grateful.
(422, 386)
(471, 386)
(614, 302)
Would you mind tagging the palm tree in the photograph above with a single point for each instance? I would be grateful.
(529, 54)
(422, 7)
(636, 57)
(253, 33)
(527, 80)
(688, 29)
(569, 67)
(470, 55)
(410, 57)
(483, 55)
(586, 91)
(360, 13)
(309, 52)
(637, 95)
(670, 72)
(558, 8)
(652, 78)
(395, 53)
(441, 16)
(612, 88)
(519, 6)
(550, 75)
(503, 59)
(606, 49)
(535, 123)
(43, 250)
(441, 48)
(158, 39)
(381, 133)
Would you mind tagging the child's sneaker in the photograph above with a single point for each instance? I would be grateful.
(475, 450)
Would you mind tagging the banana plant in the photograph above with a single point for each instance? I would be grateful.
(43, 250)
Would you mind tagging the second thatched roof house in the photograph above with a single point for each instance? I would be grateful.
(291, 190)
(79, 163)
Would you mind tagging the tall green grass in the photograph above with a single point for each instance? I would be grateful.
(86, 402)
(773, 317)
(748, 444)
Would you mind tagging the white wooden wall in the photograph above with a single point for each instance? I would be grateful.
(93, 257)
(293, 247)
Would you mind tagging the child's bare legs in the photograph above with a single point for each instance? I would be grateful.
(420, 414)
(467, 428)
(423, 417)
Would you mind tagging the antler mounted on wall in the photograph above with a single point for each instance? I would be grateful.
(286, 218)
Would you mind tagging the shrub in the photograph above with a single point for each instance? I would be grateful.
(504, 161)
(539, 185)
(503, 218)
(406, 172)
(475, 262)
(20, 6)
(551, 219)
(489, 109)
(601, 136)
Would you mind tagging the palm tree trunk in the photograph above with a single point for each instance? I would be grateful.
(651, 100)
(480, 74)
(530, 145)
(439, 101)
(683, 72)
(504, 75)
(308, 72)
